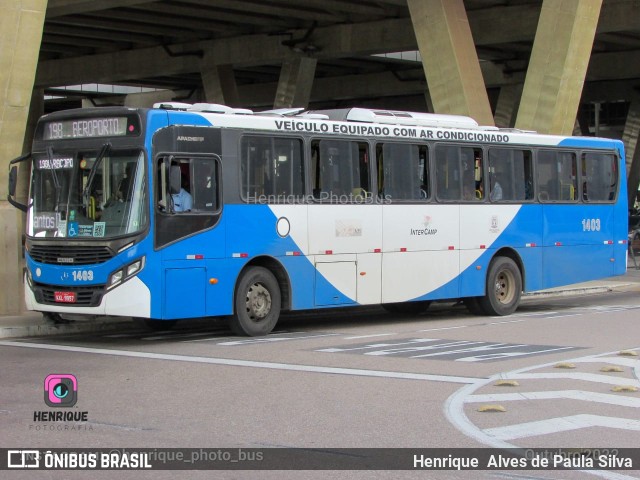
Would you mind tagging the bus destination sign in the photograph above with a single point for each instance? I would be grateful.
(89, 128)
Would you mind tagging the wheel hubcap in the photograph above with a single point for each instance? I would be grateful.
(258, 302)
(504, 286)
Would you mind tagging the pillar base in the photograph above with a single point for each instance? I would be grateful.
(11, 285)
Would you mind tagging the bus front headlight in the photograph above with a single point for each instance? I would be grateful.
(122, 275)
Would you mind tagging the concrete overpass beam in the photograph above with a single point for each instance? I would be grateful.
(558, 65)
(20, 36)
(295, 83)
(449, 59)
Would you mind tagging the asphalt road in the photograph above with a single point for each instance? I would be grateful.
(561, 369)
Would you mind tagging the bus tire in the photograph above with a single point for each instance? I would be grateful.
(257, 303)
(504, 288)
(409, 308)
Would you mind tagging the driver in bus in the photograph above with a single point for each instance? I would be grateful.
(182, 201)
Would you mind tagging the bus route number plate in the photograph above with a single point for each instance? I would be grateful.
(65, 297)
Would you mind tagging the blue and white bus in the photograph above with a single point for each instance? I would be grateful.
(186, 211)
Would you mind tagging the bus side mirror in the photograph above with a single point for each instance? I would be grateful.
(13, 181)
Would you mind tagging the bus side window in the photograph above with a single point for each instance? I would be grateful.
(599, 180)
(180, 196)
(341, 171)
(447, 172)
(271, 169)
(557, 176)
(471, 168)
(205, 185)
(402, 171)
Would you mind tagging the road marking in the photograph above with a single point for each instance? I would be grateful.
(455, 411)
(440, 349)
(589, 377)
(247, 363)
(446, 328)
(275, 338)
(564, 316)
(626, 362)
(560, 424)
(370, 336)
(508, 321)
(587, 396)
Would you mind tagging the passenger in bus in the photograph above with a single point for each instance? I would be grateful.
(469, 191)
(496, 189)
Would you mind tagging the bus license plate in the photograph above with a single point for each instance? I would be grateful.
(65, 297)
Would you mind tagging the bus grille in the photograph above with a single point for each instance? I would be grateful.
(86, 296)
(68, 255)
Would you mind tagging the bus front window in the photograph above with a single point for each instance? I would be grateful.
(87, 194)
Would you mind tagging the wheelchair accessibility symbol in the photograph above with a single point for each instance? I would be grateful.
(73, 229)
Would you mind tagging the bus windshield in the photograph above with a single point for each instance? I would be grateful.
(87, 193)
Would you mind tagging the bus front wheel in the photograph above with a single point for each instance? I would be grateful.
(257, 303)
(504, 288)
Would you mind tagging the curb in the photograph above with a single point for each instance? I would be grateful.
(43, 328)
(565, 292)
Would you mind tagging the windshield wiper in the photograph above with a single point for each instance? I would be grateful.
(92, 173)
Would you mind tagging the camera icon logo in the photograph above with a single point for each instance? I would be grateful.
(60, 390)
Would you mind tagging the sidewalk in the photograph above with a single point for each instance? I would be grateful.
(32, 324)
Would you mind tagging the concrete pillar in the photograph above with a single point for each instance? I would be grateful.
(428, 101)
(220, 84)
(21, 25)
(558, 64)
(507, 105)
(449, 59)
(632, 152)
(295, 83)
(36, 110)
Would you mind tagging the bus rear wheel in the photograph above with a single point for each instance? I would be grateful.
(257, 303)
(504, 288)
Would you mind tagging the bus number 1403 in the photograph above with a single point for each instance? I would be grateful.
(590, 224)
(82, 275)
